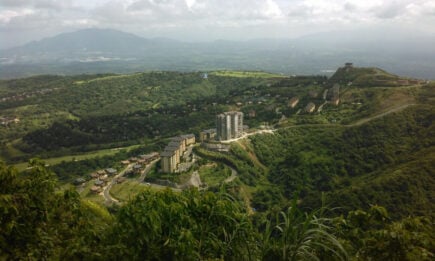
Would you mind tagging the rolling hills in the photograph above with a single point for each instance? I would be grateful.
(354, 179)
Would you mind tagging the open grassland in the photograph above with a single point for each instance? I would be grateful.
(106, 78)
(213, 174)
(129, 189)
(247, 74)
(99, 153)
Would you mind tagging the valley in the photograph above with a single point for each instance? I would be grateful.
(358, 142)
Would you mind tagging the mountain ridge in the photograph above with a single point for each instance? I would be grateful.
(108, 50)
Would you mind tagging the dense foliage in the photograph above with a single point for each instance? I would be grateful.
(385, 162)
(40, 222)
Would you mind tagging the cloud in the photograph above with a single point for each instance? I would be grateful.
(241, 18)
(37, 4)
(391, 9)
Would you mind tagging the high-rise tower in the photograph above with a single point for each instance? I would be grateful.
(229, 125)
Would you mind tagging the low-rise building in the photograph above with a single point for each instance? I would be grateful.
(94, 175)
(189, 139)
(111, 171)
(147, 158)
(95, 189)
(313, 93)
(79, 181)
(293, 102)
(101, 172)
(137, 168)
(205, 135)
(220, 147)
(103, 178)
(334, 94)
(99, 183)
(310, 107)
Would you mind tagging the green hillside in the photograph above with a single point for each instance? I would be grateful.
(367, 77)
(387, 161)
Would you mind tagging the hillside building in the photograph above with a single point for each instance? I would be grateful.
(181, 140)
(334, 94)
(168, 162)
(229, 125)
(205, 135)
(310, 107)
(176, 150)
(293, 102)
(189, 139)
(171, 156)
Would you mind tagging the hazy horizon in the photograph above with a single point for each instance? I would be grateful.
(23, 21)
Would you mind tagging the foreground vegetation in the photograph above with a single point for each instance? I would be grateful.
(40, 222)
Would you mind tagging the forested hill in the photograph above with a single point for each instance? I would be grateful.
(367, 77)
(89, 112)
(387, 161)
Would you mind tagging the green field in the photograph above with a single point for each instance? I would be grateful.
(213, 174)
(105, 78)
(130, 188)
(244, 74)
(99, 153)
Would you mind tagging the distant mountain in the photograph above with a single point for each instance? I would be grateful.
(107, 50)
(87, 45)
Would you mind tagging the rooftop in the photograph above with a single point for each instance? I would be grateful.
(174, 144)
(167, 153)
(178, 138)
(209, 131)
(172, 148)
(111, 170)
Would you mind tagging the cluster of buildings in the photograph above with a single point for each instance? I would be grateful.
(25, 95)
(101, 178)
(5, 121)
(171, 156)
(229, 125)
(141, 160)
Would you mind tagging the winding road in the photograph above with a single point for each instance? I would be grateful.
(108, 199)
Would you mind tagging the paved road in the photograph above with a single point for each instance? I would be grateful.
(233, 175)
(147, 169)
(106, 191)
(395, 109)
(358, 123)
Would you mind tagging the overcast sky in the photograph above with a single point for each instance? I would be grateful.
(192, 20)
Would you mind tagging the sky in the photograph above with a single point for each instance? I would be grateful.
(22, 21)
